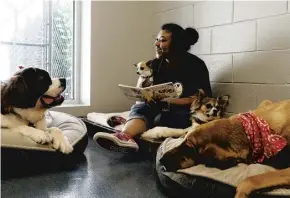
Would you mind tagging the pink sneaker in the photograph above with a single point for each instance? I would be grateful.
(118, 141)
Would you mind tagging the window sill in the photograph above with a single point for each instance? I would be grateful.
(74, 109)
(73, 105)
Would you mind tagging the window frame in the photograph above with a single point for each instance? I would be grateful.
(76, 75)
(77, 47)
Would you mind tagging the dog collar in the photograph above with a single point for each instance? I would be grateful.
(263, 141)
(198, 121)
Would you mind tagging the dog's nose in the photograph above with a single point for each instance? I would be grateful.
(138, 73)
(62, 82)
(215, 112)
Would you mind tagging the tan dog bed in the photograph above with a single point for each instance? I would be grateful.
(73, 128)
(203, 181)
(102, 119)
(20, 155)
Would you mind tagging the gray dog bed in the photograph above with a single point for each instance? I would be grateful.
(19, 150)
(201, 181)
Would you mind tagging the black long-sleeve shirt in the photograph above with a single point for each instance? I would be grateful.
(191, 72)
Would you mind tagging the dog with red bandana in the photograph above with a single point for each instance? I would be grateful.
(252, 137)
(25, 98)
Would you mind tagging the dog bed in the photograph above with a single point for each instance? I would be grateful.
(112, 122)
(200, 181)
(17, 149)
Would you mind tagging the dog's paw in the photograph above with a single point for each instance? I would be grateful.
(241, 195)
(59, 141)
(245, 188)
(40, 137)
(162, 132)
(153, 133)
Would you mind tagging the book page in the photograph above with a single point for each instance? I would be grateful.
(132, 93)
(161, 91)
(156, 92)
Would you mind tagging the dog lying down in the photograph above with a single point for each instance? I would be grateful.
(251, 137)
(24, 100)
(203, 109)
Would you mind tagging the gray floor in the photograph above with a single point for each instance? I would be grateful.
(100, 174)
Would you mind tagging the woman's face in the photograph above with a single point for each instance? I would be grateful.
(162, 43)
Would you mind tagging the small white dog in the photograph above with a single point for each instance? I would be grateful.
(145, 73)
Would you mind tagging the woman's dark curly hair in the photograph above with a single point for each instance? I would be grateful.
(181, 39)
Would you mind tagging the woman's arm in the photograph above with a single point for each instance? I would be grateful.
(195, 76)
(181, 101)
(191, 87)
(171, 102)
(205, 84)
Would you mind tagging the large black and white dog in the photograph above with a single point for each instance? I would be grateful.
(24, 100)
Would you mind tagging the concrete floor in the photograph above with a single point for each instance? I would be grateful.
(98, 173)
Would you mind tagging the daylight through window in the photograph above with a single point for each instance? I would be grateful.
(39, 33)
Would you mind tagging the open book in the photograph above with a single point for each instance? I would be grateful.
(156, 92)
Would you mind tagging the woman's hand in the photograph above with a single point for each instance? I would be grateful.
(165, 105)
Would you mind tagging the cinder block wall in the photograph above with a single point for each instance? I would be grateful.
(245, 44)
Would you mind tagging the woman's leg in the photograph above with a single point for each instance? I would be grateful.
(169, 124)
(140, 119)
(134, 127)
(179, 119)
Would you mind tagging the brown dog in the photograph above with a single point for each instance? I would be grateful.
(203, 109)
(226, 142)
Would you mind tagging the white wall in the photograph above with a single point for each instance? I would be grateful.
(120, 37)
(245, 44)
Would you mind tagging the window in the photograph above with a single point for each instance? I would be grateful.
(41, 33)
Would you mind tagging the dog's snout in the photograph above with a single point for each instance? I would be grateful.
(215, 112)
(62, 82)
(169, 165)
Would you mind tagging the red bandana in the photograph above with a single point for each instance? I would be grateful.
(264, 142)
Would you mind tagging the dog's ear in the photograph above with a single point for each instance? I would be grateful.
(200, 94)
(197, 99)
(135, 64)
(223, 100)
(15, 93)
(174, 158)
